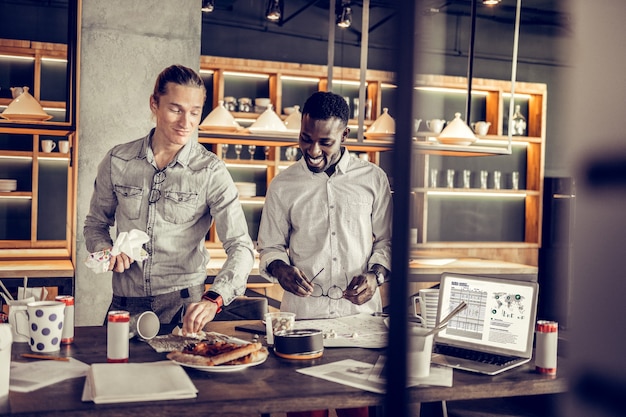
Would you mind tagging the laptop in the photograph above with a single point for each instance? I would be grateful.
(496, 330)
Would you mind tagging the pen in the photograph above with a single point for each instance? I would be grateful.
(45, 357)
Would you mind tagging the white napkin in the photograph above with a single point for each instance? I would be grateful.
(129, 243)
(129, 382)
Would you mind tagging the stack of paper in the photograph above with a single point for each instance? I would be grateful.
(128, 382)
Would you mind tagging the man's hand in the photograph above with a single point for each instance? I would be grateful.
(120, 263)
(291, 279)
(198, 315)
(361, 289)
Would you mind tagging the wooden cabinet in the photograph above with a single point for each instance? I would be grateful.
(467, 218)
(502, 224)
(285, 85)
(37, 219)
(38, 216)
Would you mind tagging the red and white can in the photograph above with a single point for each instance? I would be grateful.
(546, 341)
(68, 322)
(118, 325)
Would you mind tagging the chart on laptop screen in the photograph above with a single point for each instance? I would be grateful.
(497, 313)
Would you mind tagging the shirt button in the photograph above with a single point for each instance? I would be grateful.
(333, 233)
(332, 207)
(334, 259)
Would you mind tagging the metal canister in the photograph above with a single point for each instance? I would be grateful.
(546, 339)
(68, 322)
(118, 326)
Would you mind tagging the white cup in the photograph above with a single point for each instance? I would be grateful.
(467, 178)
(64, 146)
(412, 235)
(497, 180)
(145, 325)
(435, 125)
(48, 145)
(5, 358)
(19, 322)
(45, 325)
(420, 352)
(428, 302)
(277, 321)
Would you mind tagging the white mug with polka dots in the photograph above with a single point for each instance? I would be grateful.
(45, 325)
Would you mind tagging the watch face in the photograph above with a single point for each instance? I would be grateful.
(380, 279)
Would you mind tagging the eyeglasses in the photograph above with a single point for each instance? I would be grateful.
(155, 193)
(335, 292)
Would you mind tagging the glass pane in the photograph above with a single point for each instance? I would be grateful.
(14, 142)
(53, 80)
(296, 91)
(15, 218)
(475, 219)
(443, 105)
(19, 169)
(249, 87)
(52, 213)
(251, 175)
(16, 73)
(208, 84)
(253, 218)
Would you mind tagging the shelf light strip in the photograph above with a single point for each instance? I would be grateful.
(251, 166)
(25, 158)
(24, 58)
(347, 82)
(294, 78)
(252, 202)
(206, 71)
(16, 197)
(452, 90)
(494, 194)
(246, 74)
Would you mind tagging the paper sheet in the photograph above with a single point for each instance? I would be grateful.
(371, 377)
(29, 376)
(360, 330)
(130, 382)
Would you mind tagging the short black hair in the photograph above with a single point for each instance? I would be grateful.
(323, 105)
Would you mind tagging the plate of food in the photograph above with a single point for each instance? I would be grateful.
(219, 354)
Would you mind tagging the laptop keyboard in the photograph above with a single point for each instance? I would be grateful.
(491, 358)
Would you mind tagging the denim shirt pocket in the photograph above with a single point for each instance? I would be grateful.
(129, 200)
(179, 206)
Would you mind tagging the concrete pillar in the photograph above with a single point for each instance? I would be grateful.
(124, 46)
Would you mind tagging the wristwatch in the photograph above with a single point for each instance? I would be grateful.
(214, 297)
(380, 278)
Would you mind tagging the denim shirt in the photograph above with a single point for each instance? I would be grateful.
(175, 206)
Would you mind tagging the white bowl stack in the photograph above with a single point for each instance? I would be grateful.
(246, 189)
(8, 185)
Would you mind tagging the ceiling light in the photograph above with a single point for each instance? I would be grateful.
(491, 2)
(208, 6)
(344, 20)
(274, 10)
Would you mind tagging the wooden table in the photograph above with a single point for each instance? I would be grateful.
(271, 387)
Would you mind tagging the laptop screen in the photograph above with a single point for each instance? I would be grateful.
(499, 318)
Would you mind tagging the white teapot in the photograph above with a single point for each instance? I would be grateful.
(481, 128)
(435, 125)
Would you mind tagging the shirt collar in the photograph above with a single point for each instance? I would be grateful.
(182, 157)
(342, 165)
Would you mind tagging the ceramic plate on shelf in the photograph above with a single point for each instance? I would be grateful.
(455, 141)
(16, 117)
(220, 129)
(273, 133)
(378, 135)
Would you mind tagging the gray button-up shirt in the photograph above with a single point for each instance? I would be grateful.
(175, 207)
(340, 223)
